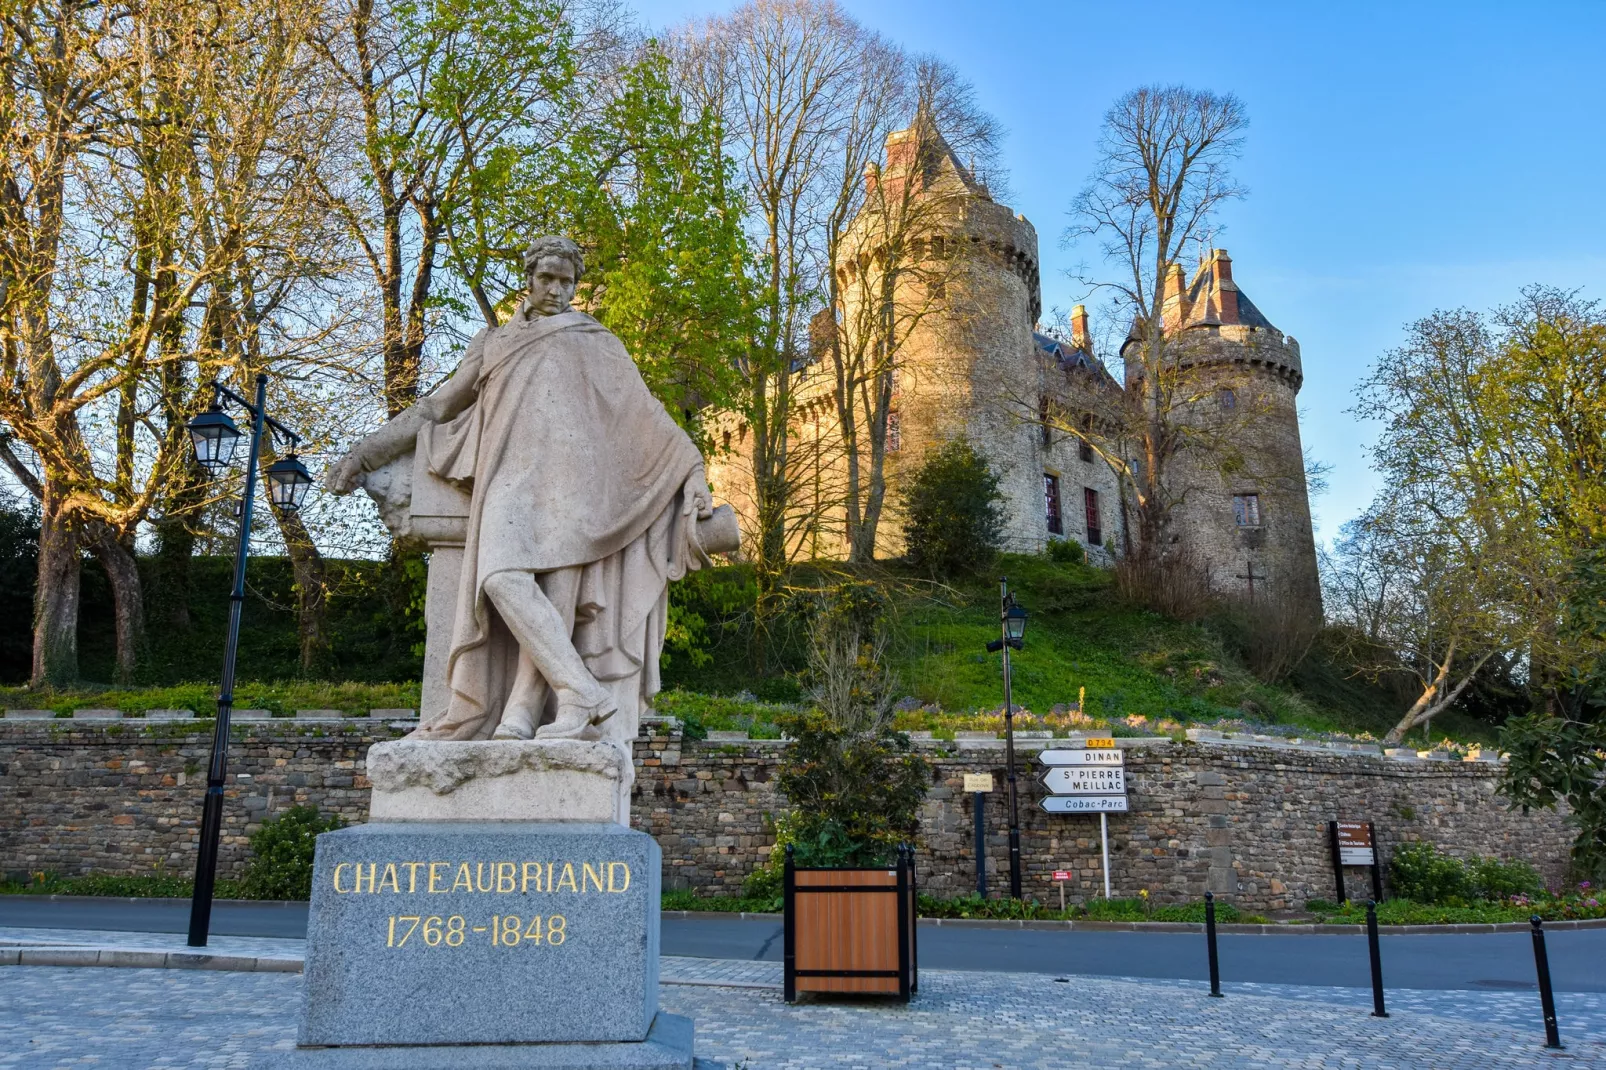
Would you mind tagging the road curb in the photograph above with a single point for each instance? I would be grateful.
(160, 900)
(130, 958)
(1253, 929)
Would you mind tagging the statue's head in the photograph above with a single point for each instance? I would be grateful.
(553, 266)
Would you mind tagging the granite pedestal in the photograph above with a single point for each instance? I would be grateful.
(474, 942)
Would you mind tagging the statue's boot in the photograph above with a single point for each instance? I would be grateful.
(576, 721)
(518, 722)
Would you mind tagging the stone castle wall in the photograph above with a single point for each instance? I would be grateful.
(1260, 436)
(1247, 821)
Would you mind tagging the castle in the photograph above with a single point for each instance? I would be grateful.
(938, 298)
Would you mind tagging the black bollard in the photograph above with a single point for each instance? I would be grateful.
(1210, 940)
(1547, 998)
(1377, 960)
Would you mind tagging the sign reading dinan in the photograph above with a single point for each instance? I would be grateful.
(1085, 780)
(1091, 756)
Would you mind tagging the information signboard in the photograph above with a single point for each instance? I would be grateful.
(978, 782)
(1355, 846)
(1085, 779)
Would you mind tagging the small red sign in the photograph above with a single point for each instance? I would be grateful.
(1062, 874)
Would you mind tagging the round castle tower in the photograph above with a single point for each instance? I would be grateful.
(969, 303)
(1243, 507)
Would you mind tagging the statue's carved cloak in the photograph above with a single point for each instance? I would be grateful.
(570, 463)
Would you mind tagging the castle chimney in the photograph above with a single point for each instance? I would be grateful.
(1226, 290)
(1081, 337)
(872, 178)
(1172, 311)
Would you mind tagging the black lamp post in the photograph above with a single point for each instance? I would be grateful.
(1011, 630)
(215, 437)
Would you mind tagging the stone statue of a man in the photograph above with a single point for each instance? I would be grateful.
(584, 497)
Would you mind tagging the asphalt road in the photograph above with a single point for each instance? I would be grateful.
(1487, 961)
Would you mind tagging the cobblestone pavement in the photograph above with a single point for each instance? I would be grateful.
(133, 1018)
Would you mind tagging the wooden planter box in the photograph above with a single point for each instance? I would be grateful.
(851, 930)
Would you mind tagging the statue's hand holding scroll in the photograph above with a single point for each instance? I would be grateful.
(696, 499)
(346, 473)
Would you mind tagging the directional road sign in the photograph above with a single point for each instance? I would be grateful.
(1080, 757)
(1083, 804)
(1084, 780)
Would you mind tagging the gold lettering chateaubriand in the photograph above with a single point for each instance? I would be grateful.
(433, 877)
(465, 879)
(412, 876)
(390, 879)
(373, 868)
(524, 883)
(567, 878)
(338, 889)
(505, 872)
(613, 868)
(590, 875)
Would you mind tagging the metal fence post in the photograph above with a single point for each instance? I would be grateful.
(789, 927)
(1377, 960)
(1547, 998)
(1210, 940)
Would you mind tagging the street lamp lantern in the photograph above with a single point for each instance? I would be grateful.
(1014, 624)
(215, 437)
(288, 480)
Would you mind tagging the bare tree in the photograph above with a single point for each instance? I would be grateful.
(782, 74)
(151, 152)
(1163, 171)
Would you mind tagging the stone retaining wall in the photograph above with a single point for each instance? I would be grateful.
(1244, 820)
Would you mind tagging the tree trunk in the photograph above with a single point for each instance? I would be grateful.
(56, 599)
(128, 601)
(312, 590)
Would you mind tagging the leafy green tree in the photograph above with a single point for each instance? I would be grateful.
(953, 514)
(1493, 451)
(1559, 753)
(451, 105)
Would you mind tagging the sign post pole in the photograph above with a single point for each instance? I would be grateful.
(979, 784)
(1338, 861)
(1104, 835)
(981, 843)
(1377, 865)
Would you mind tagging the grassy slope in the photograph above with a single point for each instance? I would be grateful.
(1132, 662)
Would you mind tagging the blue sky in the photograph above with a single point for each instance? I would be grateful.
(1400, 158)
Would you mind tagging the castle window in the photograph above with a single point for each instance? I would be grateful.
(1246, 510)
(1085, 448)
(727, 441)
(1095, 529)
(1229, 400)
(1051, 499)
(894, 432)
(1042, 421)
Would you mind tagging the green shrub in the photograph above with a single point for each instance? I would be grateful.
(1493, 879)
(281, 854)
(1420, 873)
(954, 516)
(1066, 551)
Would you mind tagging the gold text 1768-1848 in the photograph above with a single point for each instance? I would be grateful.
(504, 930)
